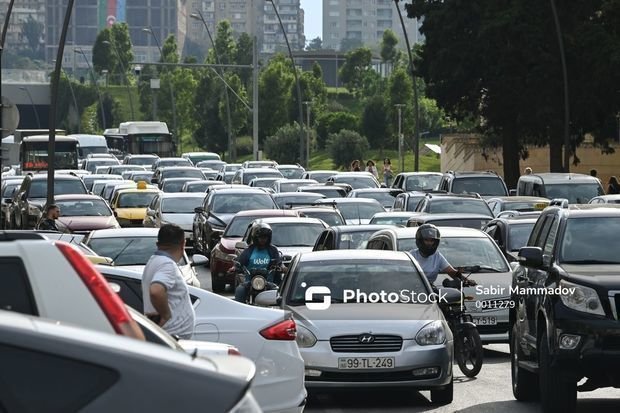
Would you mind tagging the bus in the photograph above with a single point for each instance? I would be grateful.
(34, 156)
(147, 138)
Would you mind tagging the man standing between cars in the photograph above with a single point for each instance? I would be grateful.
(166, 296)
(52, 212)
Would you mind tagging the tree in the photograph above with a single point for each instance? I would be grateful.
(389, 41)
(275, 85)
(317, 70)
(224, 44)
(315, 44)
(238, 112)
(122, 45)
(329, 123)
(104, 57)
(243, 56)
(375, 123)
(400, 92)
(32, 30)
(169, 50)
(284, 144)
(356, 65)
(210, 131)
(348, 44)
(346, 146)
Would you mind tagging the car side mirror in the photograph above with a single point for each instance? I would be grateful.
(199, 210)
(512, 192)
(531, 257)
(241, 245)
(267, 298)
(199, 260)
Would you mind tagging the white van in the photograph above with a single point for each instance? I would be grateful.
(90, 144)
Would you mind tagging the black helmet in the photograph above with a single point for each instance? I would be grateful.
(427, 231)
(260, 230)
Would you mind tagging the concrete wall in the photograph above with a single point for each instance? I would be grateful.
(465, 153)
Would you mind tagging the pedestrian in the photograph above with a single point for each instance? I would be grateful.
(528, 171)
(355, 166)
(370, 167)
(165, 292)
(614, 186)
(593, 172)
(387, 171)
(48, 223)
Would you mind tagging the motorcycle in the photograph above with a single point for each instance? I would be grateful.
(467, 343)
(258, 279)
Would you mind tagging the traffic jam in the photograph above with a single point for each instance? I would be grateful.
(258, 286)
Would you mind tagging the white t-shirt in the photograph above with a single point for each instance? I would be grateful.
(432, 265)
(162, 269)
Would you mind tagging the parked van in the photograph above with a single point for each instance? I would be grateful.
(90, 144)
(577, 188)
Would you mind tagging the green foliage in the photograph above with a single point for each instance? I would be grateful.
(375, 123)
(104, 57)
(330, 123)
(210, 132)
(317, 71)
(357, 64)
(400, 92)
(169, 50)
(85, 96)
(224, 44)
(244, 145)
(275, 85)
(389, 52)
(243, 56)
(121, 43)
(285, 143)
(238, 112)
(315, 44)
(346, 146)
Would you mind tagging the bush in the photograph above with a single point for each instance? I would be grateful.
(333, 122)
(284, 145)
(244, 145)
(346, 146)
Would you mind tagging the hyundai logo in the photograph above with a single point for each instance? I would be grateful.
(366, 339)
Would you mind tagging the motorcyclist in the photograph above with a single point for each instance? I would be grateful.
(433, 262)
(261, 254)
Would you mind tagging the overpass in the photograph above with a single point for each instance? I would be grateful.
(19, 86)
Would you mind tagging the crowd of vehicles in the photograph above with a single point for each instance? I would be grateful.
(337, 232)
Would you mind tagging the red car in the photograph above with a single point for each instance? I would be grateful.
(223, 253)
(81, 214)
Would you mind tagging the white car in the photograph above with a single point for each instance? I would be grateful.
(131, 248)
(174, 208)
(265, 336)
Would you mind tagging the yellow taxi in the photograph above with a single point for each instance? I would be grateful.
(129, 205)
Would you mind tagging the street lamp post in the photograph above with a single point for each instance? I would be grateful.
(34, 108)
(416, 109)
(308, 105)
(401, 159)
(232, 152)
(123, 68)
(92, 75)
(301, 116)
(174, 106)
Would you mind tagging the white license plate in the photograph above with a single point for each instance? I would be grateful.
(485, 321)
(361, 363)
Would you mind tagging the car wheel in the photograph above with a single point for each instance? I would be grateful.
(217, 285)
(443, 395)
(557, 392)
(524, 382)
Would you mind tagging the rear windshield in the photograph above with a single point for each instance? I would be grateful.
(295, 235)
(384, 198)
(465, 223)
(359, 211)
(355, 240)
(357, 182)
(183, 173)
(459, 206)
(479, 185)
(330, 218)
(575, 193)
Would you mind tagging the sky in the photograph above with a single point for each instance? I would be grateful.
(313, 21)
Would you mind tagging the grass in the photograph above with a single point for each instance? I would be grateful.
(431, 163)
(119, 93)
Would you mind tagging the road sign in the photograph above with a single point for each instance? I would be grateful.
(10, 117)
(155, 83)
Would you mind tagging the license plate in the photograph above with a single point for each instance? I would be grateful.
(360, 363)
(485, 321)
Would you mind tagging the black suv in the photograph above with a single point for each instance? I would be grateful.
(487, 184)
(29, 199)
(566, 298)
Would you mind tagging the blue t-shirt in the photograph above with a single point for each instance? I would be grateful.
(432, 265)
(259, 259)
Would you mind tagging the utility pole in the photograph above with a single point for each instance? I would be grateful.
(254, 85)
(308, 104)
(401, 159)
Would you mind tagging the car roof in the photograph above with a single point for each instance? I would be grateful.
(344, 229)
(259, 170)
(267, 213)
(136, 190)
(230, 191)
(66, 177)
(290, 166)
(182, 178)
(290, 220)
(451, 196)
(518, 199)
(179, 168)
(420, 173)
(557, 177)
(396, 214)
(474, 173)
(347, 201)
(76, 197)
(590, 210)
(609, 197)
(297, 181)
(438, 217)
(517, 220)
(373, 190)
(166, 195)
(448, 232)
(320, 208)
(296, 194)
(124, 232)
(352, 255)
(150, 156)
(353, 174)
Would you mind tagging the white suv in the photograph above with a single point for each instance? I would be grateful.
(53, 279)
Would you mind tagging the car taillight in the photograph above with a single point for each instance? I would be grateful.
(233, 351)
(284, 330)
(108, 300)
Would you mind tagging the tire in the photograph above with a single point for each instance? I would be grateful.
(217, 286)
(524, 383)
(557, 394)
(444, 395)
(469, 352)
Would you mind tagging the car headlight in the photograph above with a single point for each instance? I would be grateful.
(431, 334)
(305, 338)
(581, 298)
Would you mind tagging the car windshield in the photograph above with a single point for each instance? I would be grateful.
(198, 187)
(180, 205)
(327, 191)
(173, 186)
(183, 173)
(84, 151)
(367, 276)
(321, 177)
(359, 211)
(248, 176)
(290, 186)
(384, 198)
(93, 164)
(84, 208)
(146, 177)
(575, 193)
(135, 199)
(38, 188)
(142, 161)
(471, 251)
(264, 183)
(357, 182)
(232, 168)
(591, 241)
(296, 234)
(127, 250)
(291, 173)
(459, 206)
(331, 218)
(355, 240)
(479, 185)
(422, 182)
(518, 234)
(237, 227)
(293, 200)
(9, 188)
(233, 203)
(173, 162)
(390, 220)
(205, 157)
(216, 165)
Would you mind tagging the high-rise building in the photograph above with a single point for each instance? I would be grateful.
(22, 11)
(292, 16)
(362, 22)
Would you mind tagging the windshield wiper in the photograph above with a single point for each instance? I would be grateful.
(123, 250)
(585, 262)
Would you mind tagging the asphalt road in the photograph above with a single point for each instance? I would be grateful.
(489, 392)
